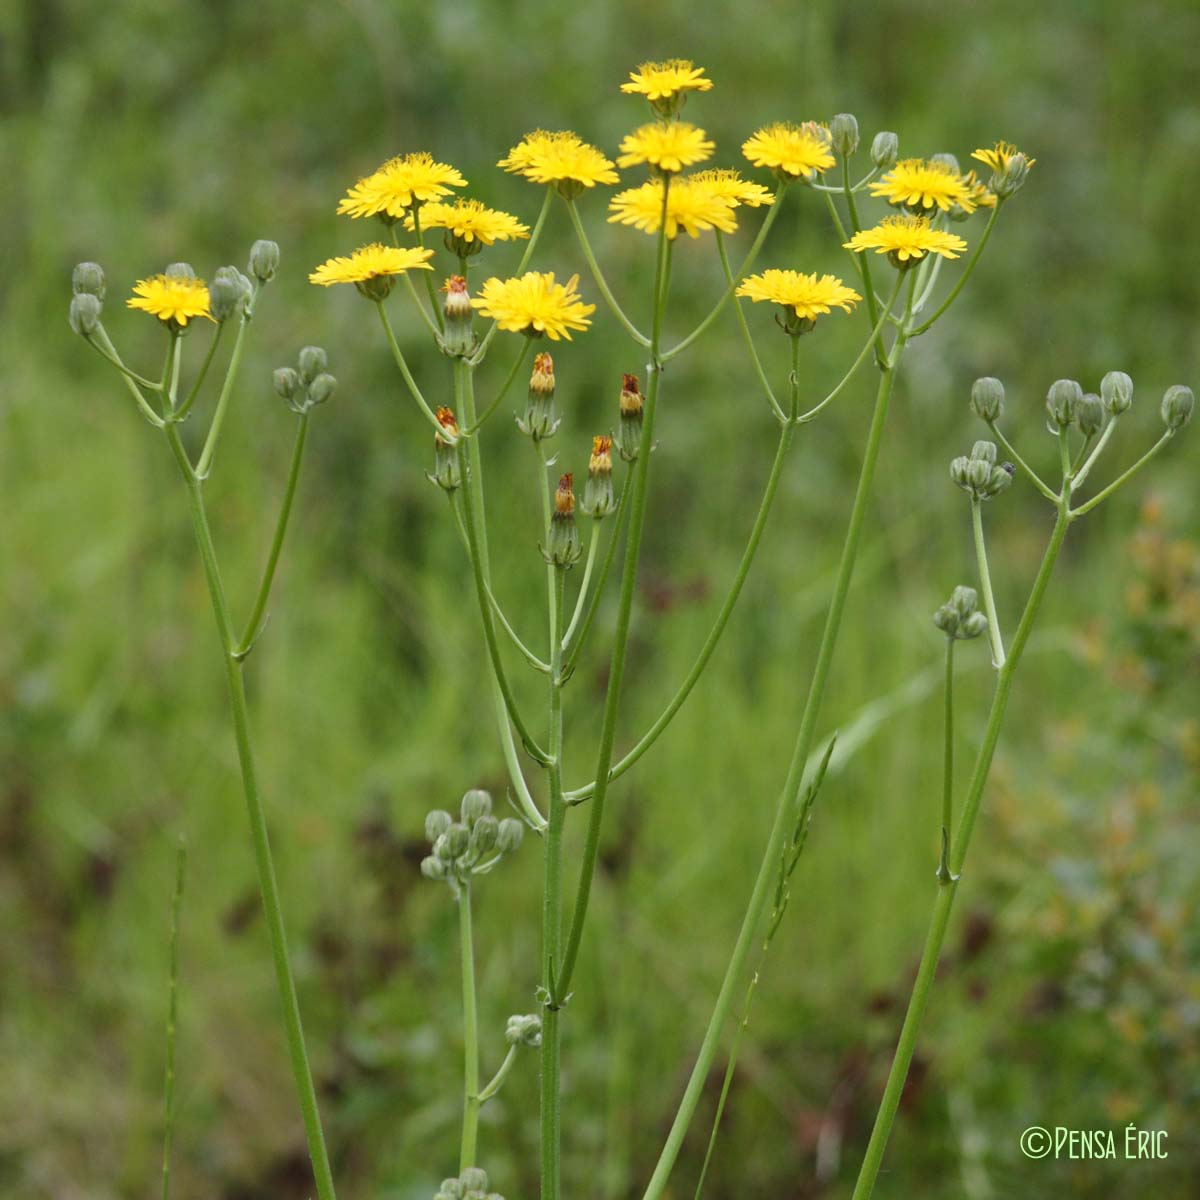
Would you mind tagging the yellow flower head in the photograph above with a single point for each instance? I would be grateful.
(562, 159)
(999, 155)
(667, 145)
(371, 267)
(906, 239)
(691, 207)
(175, 299)
(469, 221)
(981, 195)
(728, 185)
(535, 304)
(921, 184)
(659, 81)
(792, 150)
(808, 296)
(399, 184)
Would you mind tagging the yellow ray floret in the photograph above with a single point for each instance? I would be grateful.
(398, 184)
(981, 195)
(470, 220)
(691, 206)
(907, 238)
(998, 156)
(371, 262)
(667, 145)
(535, 304)
(727, 184)
(923, 184)
(171, 298)
(808, 296)
(794, 150)
(665, 80)
(556, 158)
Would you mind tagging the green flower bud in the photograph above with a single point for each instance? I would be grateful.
(433, 868)
(947, 160)
(629, 432)
(457, 338)
(541, 419)
(979, 475)
(447, 472)
(960, 469)
(321, 389)
(475, 804)
(987, 398)
(1177, 405)
(311, 361)
(1089, 414)
(964, 600)
(1001, 480)
(524, 1030)
(598, 497)
(1061, 401)
(180, 270)
(453, 843)
(88, 277)
(1010, 179)
(263, 261)
(563, 545)
(885, 149)
(84, 313)
(484, 834)
(843, 129)
(286, 382)
(473, 1179)
(973, 626)
(1116, 392)
(436, 823)
(225, 297)
(509, 835)
(452, 1188)
(984, 452)
(959, 616)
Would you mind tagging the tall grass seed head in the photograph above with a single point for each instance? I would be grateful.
(1116, 392)
(987, 398)
(84, 313)
(88, 277)
(1178, 403)
(1061, 402)
(598, 499)
(629, 429)
(541, 419)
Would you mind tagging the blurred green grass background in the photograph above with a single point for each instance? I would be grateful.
(137, 134)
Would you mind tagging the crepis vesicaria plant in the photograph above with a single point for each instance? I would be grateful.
(896, 262)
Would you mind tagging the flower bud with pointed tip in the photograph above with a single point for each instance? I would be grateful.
(987, 398)
(225, 297)
(88, 278)
(286, 382)
(436, 823)
(457, 337)
(984, 452)
(321, 388)
(1061, 400)
(453, 843)
(447, 471)
(484, 833)
(452, 1188)
(541, 419)
(509, 835)
(1116, 392)
(475, 804)
(960, 469)
(598, 498)
(563, 545)
(1089, 414)
(263, 261)
(433, 867)
(1177, 405)
(84, 313)
(843, 130)
(629, 432)
(1010, 179)
(885, 149)
(180, 270)
(947, 160)
(311, 361)
(474, 1179)
(973, 626)
(524, 1029)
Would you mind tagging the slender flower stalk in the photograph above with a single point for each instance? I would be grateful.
(947, 762)
(598, 274)
(471, 1100)
(204, 465)
(985, 585)
(965, 273)
(172, 1021)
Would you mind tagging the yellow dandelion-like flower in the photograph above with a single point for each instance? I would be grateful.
(728, 185)
(171, 298)
(375, 261)
(398, 184)
(808, 296)
(999, 155)
(667, 145)
(981, 195)
(470, 221)
(666, 80)
(907, 239)
(562, 159)
(535, 304)
(921, 184)
(691, 207)
(793, 150)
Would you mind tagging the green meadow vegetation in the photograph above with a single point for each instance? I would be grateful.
(139, 134)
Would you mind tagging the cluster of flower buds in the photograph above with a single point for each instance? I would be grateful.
(472, 1184)
(541, 419)
(598, 499)
(979, 475)
(524, 1029)
(472, 845)
(960, 617)
(447, 471)
(629, 431)
(87, 300)
(307, 384)
(457, 338)
(563, 545)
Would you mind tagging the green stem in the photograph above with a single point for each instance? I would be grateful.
(985, 585)
(633, 546)
(172, 1021)
(944, 901)
(785, 811)
(840, 189)
(253, 625)
(204, 466)
(598, 276)
(143, 404)
(943, 872)
(581, 599)
(966, 274)
(497, 1080)
(1034, 478)
(471, 1100)
(1082, 472)
(508, 382)
(293, 1027)
(864, 261)
(747, 263)
(194, 391)
(113, 360)
(415, 391)
(1124, 478)
(429, 288)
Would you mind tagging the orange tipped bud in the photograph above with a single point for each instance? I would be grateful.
(600, 462)
(457, 339)
(598, 499)
(447, 421)
(447, 473)
(629, 432)
(564, 497)
(631, 396)
(542, 379)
